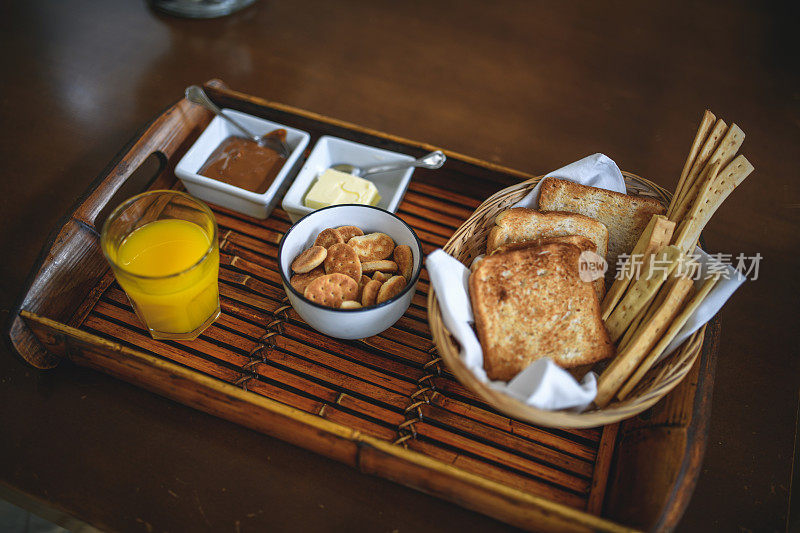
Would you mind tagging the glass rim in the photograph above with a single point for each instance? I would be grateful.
(121, 207)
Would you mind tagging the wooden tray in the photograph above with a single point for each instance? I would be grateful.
(385, 405)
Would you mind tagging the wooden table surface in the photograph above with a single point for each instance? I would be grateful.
(529, 85)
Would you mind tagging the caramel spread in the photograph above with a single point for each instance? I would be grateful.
(244, 164)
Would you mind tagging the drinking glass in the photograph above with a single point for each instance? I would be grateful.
(164, 251)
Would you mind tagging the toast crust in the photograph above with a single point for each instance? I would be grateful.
(530, 303)
(520, 224)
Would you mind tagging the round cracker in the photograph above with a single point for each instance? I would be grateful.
(370, 293)
(348, 232)
(342, 258)
(331, 289)
(328, 237)
(350, 304)
(384, 265)
(301, 281)
(381, 276)
(405, 260)
(391, 288)
(364, 281)
(309, 260)
(373, 246)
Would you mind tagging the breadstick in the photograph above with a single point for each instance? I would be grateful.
(728, 147)
(647, 311)
(671, 333)
(713, 194)
(699, 208)
(642, 291)
(723, 155)
(685, 268)
(702, 133)
(642, 342)
(637, 320)
(710, 144)
(723, 185)
(656, 235)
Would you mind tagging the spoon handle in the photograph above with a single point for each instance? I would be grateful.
(432, 160)
(197, 95)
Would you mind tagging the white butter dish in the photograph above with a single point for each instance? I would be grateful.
(330, 151)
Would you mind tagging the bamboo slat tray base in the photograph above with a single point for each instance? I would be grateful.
(386, 404)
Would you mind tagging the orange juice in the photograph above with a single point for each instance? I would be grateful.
(170, 275)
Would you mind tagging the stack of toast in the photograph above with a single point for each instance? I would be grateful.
(528, 293)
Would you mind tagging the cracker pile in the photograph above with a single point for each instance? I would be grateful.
(335, 271)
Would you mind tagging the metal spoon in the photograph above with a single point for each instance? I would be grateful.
(197, 95)
(432, 160)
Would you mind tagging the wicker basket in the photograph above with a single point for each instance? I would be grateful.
(468, 242)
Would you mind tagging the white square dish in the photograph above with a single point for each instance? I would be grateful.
(330, 151)
(214, 191)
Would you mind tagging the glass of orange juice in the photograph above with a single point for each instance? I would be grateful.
(164, 251)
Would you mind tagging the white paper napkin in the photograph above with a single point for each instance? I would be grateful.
(596, 170)
(544, 384)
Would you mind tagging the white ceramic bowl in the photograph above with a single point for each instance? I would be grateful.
(348, 323)
(217, 192)
(331, 150)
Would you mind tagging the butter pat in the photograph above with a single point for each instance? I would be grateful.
(334, 187)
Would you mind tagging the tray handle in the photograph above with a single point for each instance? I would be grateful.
(70, 266)
(144, 160)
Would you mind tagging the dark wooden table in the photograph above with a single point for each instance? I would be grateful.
(529, 85)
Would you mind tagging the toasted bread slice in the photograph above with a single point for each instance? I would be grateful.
(624, 215)
(581, 242)
(531, 303)
(520, 224)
